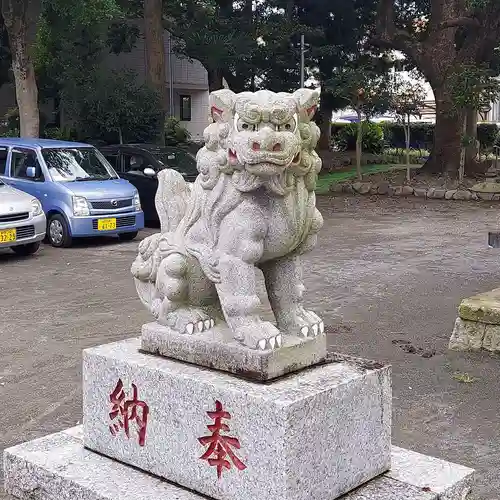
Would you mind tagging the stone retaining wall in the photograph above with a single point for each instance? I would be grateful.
(384, 188)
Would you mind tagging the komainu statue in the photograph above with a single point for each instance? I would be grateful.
(252, 206)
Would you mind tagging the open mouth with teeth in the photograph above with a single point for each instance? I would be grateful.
(233, 157)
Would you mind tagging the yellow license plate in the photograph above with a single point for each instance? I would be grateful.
(8, 235)
(106, 224)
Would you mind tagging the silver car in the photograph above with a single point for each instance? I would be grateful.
(22, 221)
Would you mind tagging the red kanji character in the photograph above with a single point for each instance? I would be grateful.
(219, 446)
(128, 410)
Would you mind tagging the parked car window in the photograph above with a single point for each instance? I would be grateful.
(112, 159)
(135, 163)
(178, 160)
(77, 164)
(3, 160)
(21, 161)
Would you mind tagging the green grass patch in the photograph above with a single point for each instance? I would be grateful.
(326, 180)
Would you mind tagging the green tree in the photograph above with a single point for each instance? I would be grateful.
(72, 42)
(407, 101)
(473, 87)
(221, 34)
(334, 32)
(364, 88)
(114, 106)
(19, 17)
(440, 37)
(154, 38)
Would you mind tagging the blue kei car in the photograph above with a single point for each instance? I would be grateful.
(80, 192)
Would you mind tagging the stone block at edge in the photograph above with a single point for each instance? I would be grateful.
(217, 349)
(467, 335)
(300, 435)
(483, 307)
(58, 467)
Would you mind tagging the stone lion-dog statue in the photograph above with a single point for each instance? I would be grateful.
(252, 206)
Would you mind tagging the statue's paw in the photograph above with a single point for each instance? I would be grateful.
(148, 245)
(200, 326)
(304, 323)
(261, 336)
(190, 320)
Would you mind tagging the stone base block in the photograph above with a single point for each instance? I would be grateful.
(474, 336)
(216, 348)
(483, 307)
(57, 467)
(318, 433)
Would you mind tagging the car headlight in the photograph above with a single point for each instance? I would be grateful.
(36, 207)
(137, 202)
(80, 206)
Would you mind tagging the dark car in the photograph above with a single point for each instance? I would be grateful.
(139, 164)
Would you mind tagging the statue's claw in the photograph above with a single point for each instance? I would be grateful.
(313, 331)
(261, 336)
(188, 320)
(272, 343)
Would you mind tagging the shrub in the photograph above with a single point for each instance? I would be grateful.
(487, 134)
(373, 137)
(60, 133)
(114, 106)
(175, 133)
(422, 134)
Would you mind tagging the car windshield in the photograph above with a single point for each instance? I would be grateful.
(77, 164)
(176, 159)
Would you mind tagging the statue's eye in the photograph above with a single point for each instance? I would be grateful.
(288, 126)
(241, 125)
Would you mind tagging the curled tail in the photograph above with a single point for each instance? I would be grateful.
(171, 201)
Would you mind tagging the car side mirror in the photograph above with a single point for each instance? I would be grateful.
(31, 172)
(149, 172)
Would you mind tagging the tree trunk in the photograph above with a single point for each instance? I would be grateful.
(407, 144)
(15, 14)
(445, 155)
(215, 79)
(463, 150)
(155, 54)
(472, 149)
(324, 122)
(359, 147)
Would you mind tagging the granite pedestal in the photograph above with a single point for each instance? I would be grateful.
(318, 433)
(216, 348)
(58, 467)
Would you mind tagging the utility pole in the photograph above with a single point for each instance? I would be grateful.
(302, 61)
(171, 106)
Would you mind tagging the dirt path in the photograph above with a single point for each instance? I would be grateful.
(386, 274)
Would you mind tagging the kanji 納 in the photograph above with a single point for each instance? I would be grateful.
(128, 410)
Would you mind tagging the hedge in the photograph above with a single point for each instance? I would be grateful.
(422, 134)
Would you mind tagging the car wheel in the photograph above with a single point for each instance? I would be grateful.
(128, 236)
(58, 232)
(28, 249)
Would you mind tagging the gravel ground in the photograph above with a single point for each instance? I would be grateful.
(387, 276)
